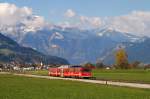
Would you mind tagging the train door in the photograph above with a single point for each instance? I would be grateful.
(62, 72)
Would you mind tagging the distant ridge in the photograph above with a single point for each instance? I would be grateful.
(12, 51)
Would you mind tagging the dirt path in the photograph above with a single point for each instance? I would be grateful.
(135, 85)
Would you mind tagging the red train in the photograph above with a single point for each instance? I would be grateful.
(71, 71)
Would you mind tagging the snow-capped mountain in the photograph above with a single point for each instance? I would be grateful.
(118, 36)
(74, 44)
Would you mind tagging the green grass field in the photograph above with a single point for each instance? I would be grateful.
(38, 72)
(17, 87)
(133, 75)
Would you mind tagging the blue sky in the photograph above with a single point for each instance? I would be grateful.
(53, 10)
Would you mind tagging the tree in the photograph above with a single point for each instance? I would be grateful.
(34, 65)
(89, 65)
(147, 66)
(121, 59)
(99, 64)
(135, 64)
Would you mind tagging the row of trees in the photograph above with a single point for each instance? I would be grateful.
(121, 61)
(97, 65)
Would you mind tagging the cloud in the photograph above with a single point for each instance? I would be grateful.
(80, 21)
(10, 14)
(34, 24)
(14, 19)
(96, 21)
(70, 13)
(137, 22)
(93, 22)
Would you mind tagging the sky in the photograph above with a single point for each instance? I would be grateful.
(52, 10)
(128, 16)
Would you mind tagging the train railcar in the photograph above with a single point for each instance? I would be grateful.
(71, 71)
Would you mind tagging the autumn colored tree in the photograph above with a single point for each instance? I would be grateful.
(121, 59)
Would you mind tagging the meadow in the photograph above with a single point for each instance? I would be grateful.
(17, 87)
(38, 72)
(131, 75)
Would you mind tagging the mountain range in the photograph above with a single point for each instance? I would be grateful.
(12, 51)
(80, 46)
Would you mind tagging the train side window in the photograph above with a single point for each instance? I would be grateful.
(86, 70)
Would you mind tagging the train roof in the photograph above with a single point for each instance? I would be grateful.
(76, 66)
(69, 66)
